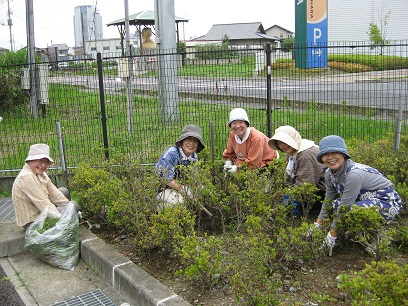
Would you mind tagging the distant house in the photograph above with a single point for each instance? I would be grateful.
(3, 50)
(55, 52)
(279, 32)
(247, 34)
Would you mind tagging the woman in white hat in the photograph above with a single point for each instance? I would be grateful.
(302, 166)
(246, 145)
(183, 153)
(33, 190)
(301, 155)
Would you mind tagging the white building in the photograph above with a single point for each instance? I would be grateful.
(349, 20)
(109, 47)
(87, 24)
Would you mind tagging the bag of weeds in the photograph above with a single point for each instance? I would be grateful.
(55, 241)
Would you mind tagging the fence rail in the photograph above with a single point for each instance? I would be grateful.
(134, 107)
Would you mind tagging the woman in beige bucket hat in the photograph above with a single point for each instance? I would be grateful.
(302, 166)
(33, 190)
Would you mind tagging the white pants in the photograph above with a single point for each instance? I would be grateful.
(169, 197)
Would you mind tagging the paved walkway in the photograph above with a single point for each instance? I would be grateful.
(102, 276)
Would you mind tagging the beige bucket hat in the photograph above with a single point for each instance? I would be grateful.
(39, 151)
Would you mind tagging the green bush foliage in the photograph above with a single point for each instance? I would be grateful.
(379, 283)
(11, 93)
(235, 231)
(202, 258)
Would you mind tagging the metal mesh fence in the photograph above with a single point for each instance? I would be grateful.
(135, 107)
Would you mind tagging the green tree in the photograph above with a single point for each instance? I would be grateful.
(287, 44)
(11, 93)
(182, 49)
(377, 34)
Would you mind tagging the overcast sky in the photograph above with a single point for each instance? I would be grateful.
(53, 19)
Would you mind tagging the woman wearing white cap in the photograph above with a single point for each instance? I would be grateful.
(246, 145)
(302, 166)
(33, 190)
(183, 153)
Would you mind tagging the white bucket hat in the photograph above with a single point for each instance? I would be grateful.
(39, 151)
(286, 134)
(238, 114)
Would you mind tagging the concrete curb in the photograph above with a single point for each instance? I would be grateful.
(11, 239)
(123, 275)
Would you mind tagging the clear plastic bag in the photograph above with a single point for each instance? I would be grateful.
(58, 245)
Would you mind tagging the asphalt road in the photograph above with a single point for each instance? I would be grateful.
(381, 89)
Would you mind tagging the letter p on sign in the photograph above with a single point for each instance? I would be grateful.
(317, 33)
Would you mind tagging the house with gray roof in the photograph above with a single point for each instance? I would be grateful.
(247, 34)
(280, 32)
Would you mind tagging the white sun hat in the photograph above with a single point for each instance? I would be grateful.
(39, 151)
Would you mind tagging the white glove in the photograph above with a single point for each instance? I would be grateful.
(229, 167)
(313, 228)
(186, 191)
(317, 225)
(329, 243)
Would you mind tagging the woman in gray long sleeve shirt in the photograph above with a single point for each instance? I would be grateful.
(354, 183)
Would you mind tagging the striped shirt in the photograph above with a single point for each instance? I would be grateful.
(31, 196)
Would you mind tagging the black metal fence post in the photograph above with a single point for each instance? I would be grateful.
(268, 90)
(102, 100)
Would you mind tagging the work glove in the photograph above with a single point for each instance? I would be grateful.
(313, 228)
(328, 243)
(229, 167)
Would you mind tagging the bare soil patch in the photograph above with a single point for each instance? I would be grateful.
(303, 285)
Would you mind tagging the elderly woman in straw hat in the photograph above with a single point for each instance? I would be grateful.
(246, 145)
(302, 166)
(183, 153)
(33, 190)
(349, 183)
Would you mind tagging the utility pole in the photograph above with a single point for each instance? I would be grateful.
(130, 68)
(10, 24)
(167, 60)
(31, 57)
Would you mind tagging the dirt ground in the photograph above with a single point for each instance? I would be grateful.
(307, 285)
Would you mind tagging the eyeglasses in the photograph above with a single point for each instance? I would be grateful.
(44, 161)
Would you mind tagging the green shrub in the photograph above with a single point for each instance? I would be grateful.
(379, 283)
(202, 258)
(367, 227)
